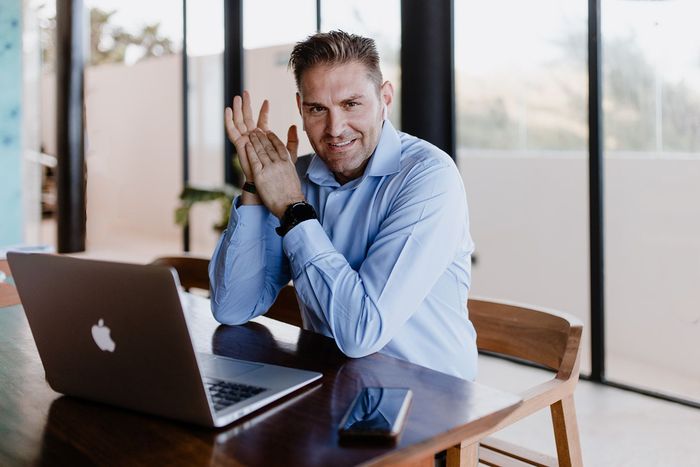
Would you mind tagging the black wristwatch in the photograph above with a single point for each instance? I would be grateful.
(295, 214)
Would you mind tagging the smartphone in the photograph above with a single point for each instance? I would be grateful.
(376, 415)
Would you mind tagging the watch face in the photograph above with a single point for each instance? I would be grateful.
(295, 214)
(302, 212)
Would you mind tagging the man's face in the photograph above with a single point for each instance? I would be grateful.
(342, 110)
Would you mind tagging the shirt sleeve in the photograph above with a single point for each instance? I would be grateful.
(248, 267)
(416, 242)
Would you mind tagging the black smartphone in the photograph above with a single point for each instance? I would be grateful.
(376, 415)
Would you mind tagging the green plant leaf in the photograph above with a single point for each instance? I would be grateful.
(191, 195)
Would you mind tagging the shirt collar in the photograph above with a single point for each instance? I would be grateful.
(385, 160)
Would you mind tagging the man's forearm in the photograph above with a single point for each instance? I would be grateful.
(247, 268)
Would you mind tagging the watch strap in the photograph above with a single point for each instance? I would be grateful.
(250, 188)
(295, 214)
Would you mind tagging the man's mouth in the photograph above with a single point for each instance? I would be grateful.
(339, 147)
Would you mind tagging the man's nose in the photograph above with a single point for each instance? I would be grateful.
(335, 123)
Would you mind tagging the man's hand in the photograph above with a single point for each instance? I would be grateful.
(272, 167)
(239, 123)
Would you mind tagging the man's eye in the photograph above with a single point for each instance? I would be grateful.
(353, 104)
(316, 109)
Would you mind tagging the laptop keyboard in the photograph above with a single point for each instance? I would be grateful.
(225, 393)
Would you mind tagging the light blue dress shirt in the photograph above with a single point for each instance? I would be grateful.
(385, 268)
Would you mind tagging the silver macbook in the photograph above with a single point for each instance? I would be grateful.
(117, 333)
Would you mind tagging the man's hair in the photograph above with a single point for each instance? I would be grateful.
(335, 48)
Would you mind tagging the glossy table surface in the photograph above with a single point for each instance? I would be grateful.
(40, 426)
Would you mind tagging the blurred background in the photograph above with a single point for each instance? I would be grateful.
(521, 82)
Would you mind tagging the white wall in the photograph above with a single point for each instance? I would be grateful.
(206, 133)
(134, 153)
(652, 247)
(529, 219)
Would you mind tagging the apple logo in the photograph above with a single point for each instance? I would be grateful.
(100, 333)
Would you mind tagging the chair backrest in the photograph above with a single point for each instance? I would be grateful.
(548, 338)
(193, 271)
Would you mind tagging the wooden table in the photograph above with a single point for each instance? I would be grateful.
(38, 425)
(8, 292)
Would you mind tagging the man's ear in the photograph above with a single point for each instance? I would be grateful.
(387, 96)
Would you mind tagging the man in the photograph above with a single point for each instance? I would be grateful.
(372, 228)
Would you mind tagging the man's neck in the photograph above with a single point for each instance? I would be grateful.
(343, 179)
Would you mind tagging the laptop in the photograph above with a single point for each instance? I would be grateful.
(117, 333)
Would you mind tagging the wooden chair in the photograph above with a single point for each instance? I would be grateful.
(546, 338)
(193, 271)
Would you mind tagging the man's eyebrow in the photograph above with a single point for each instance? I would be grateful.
(354, 97)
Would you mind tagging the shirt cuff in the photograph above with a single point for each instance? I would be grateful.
(304, 242)
(249, 221)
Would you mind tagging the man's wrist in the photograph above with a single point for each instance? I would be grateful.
(279, 211)
(250, 188)
(295, 214)
(248, 198)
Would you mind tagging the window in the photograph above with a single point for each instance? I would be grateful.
(133, 106)
(651, 103)
(522, 150)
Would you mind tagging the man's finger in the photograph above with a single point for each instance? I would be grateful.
(270, 148)
(255, 164)
(233, 133)
(263, 117)
(231, 130)
(279, 146)
(248, 111)
(258, 147)
(245, 163)
(238, 115)
(292, 142)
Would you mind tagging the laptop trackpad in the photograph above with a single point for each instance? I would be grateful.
(215, 366)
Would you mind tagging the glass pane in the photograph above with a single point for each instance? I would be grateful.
(129, 31)
(133, 105)
(46, 119)
(380, 21)
(522, 150)
(652, 165)
(268, 40)
(205, 91)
